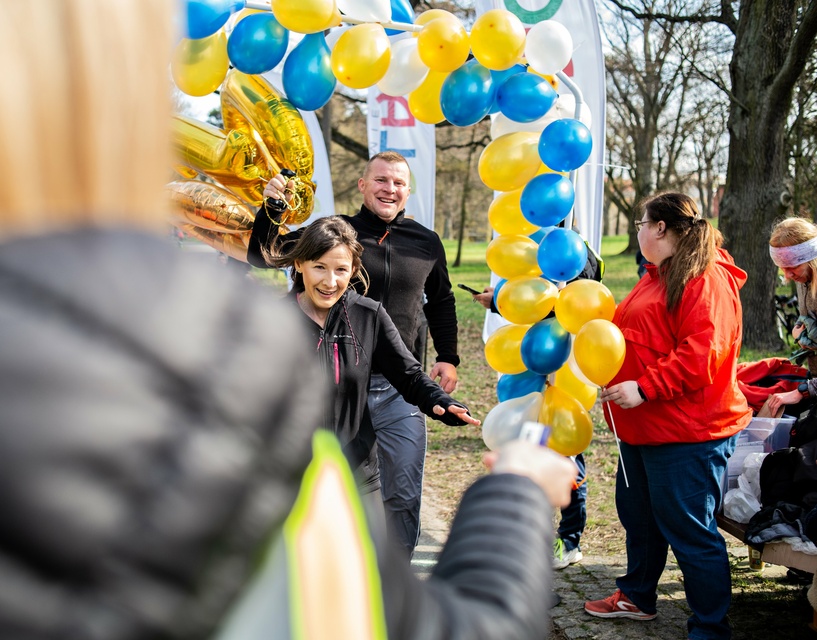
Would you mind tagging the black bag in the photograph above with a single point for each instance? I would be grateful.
(804, 428)
(790, 475)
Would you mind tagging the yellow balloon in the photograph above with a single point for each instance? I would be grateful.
(503, 349)
(208, 206)
(361, 56)
(306, 16)
(584, 300)
(250, 104)
(525, 300)
(512, 256)
(498, 39)
(231, 158)
(432, 14)
(424, 101)
(443, 45)
(505, 215)
(199, 66)
(599, 348)
(567, 381)
(571, 428)
(510, 161)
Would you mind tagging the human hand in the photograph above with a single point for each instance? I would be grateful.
(778, 400)
(279, 188)
(459, 411)
(798, 330)
(624, 394)
(447, 373)
(485, 297)
(554, 473)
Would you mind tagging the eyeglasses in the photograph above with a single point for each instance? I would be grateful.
(640, 223)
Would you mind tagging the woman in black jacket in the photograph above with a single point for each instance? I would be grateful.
(353, 335)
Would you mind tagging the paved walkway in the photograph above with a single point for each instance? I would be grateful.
(594, 578)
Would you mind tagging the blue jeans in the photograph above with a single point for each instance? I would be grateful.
(672, 500)
(574, 516)
(400, 429)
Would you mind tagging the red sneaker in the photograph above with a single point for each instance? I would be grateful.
(616, 606)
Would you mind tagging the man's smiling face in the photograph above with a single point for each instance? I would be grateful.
(385, 188)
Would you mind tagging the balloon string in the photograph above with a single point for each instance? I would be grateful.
(618, 443)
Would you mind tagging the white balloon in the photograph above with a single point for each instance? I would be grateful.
(564, 107)
(406, 71)
(368, 10)
(548, 47)
(504, 422)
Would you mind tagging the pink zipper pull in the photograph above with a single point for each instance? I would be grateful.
(337, 364)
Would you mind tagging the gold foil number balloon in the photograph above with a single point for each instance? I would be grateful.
(251, 104)
(208, 206)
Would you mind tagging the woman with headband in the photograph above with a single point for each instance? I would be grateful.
(793, 248)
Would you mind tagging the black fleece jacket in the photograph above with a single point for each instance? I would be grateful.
(405, 262)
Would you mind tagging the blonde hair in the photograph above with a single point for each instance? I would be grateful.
(86, 111)
(792, 231)
(697, 241)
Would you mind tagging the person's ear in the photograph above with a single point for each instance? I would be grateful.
(661, 227)
(360, 184)
(297, 265)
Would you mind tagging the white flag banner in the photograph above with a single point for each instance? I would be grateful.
(392, 127)
(586, 70)
(324, 195)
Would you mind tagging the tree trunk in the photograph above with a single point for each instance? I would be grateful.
(756, 193)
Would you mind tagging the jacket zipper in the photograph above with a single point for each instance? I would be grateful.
(387, 266)
(337, 363)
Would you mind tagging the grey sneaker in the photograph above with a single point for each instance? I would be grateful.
(561, 557)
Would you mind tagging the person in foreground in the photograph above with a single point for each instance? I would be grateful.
(354, 335)
(677, 409)
(793, 248)
(408, 274)
(158, 415)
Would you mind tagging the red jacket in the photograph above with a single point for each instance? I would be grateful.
(685, 362)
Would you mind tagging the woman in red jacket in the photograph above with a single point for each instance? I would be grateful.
(677, 409)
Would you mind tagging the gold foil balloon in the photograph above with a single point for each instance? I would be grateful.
(498, 39)
(424, 101)
(505, 215)
(571, 428)
(208, 206)
(306, 16)
(567, 381)
(599, 348)
(503, 349)
(361, 56)
(513, 256)
(232, 244)
(199, 66)
(231, 158)
(251, 104)
(526, 300)
(584, 300)
(510, 161)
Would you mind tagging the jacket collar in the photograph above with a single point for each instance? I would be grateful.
(372, 219)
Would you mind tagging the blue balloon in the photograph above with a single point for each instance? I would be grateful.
(498, 286)
(205, 17)
(545, 347)
(499, 78)
(565, 144)
(307, 77)
(257, 43)
(562, 255)
(538, 236)
(517, 385)
(525, 97)
(401, 11)
(547, 199)
(467, 94)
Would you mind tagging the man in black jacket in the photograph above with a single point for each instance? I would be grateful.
(408, 273)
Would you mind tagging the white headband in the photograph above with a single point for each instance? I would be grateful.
(795, 255)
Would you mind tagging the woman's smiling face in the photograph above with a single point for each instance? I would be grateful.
(326, 279)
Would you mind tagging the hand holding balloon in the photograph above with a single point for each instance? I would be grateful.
(280, 189)
(624, 394)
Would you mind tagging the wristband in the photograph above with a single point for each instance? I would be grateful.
(641, 392)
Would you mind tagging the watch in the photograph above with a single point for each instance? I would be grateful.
(803, 389)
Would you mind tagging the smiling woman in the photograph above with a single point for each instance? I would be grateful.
(353, 335)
